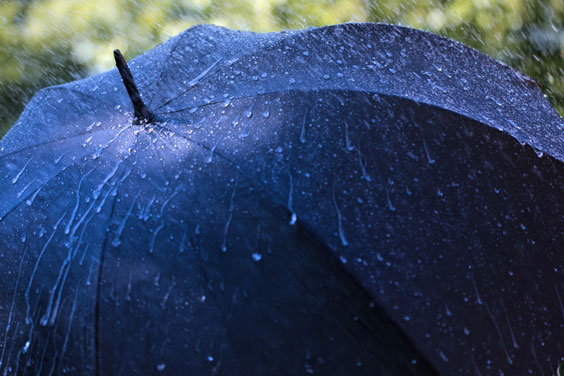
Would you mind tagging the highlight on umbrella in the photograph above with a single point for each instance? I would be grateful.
(352, 199)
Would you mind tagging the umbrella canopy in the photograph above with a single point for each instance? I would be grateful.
(353, 199)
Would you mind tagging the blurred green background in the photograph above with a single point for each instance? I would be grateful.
(47, 42)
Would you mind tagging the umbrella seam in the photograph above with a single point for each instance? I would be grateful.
(98, 290)
(493, 122)
(53, 141)
(430, 36)
(65, 87)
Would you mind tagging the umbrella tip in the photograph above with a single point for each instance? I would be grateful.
(142, 113)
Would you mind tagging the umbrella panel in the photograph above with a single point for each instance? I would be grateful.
(409, 198)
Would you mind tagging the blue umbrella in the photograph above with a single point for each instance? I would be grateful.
(353, 199)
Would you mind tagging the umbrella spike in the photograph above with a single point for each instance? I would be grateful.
(142, 113)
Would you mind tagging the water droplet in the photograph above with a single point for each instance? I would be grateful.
(26, 347)
(293, 219)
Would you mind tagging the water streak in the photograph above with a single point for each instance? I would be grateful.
(230, 217)
(339, 218)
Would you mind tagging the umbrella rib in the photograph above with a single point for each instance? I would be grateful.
(64, 87)
(363, 318)
(156, 86)
(250, 53)
(73, 163)
(266, 93)
(42, 185)
(53, 141)
(193, 83)
(457, 111)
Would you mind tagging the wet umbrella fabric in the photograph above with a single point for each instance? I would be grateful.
(354, 199)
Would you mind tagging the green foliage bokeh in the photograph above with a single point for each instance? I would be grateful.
(47, 42)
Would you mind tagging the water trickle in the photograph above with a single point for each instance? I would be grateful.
(58, 159)
(183, 241)
(30, 200)
(116, 242)
(303, 133)
(77, 204)
(103, 146)
(21, 192)
(199, 123)
(430, 160)
(96, 192)
(197, 79)
(17, 177)
(391, 207)
(365, 175)
(344, 241)
(28, 317)
(210, 157)
(293, 218)
(347, 139)
(235, 122)
(230, 216)
(154, 239)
